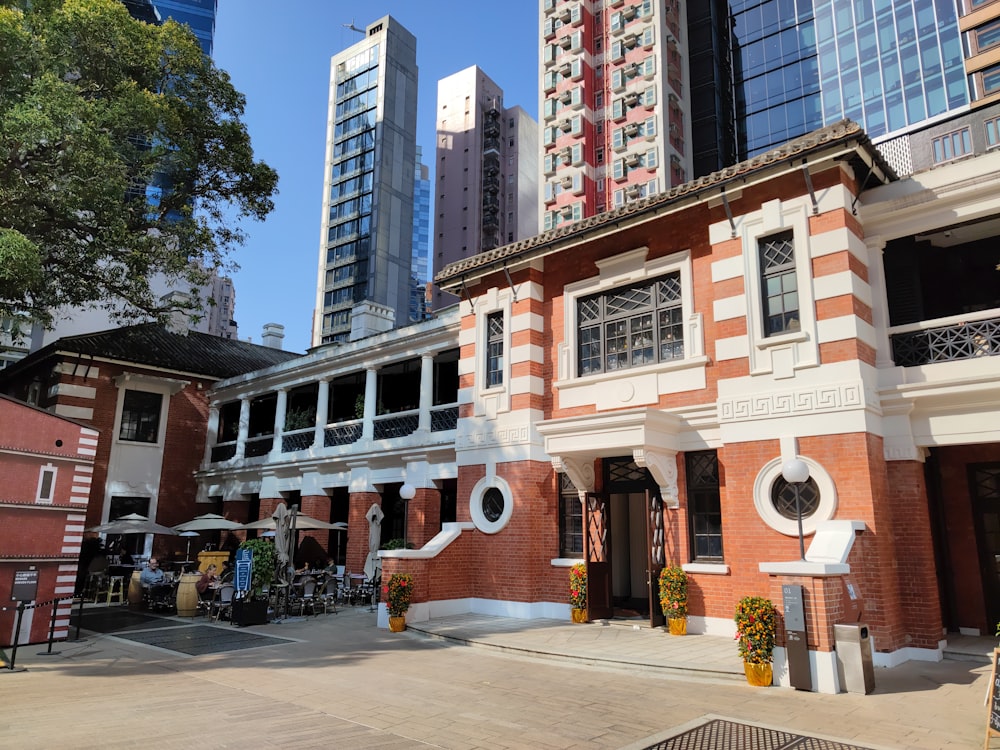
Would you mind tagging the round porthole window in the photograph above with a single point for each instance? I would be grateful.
(774, 498)
(784, 501)
(491, 504)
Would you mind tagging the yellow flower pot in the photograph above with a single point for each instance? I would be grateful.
(397, 624)
(758, 675)
(579, 615)
(678, 625)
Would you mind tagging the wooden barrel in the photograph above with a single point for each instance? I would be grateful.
(135, 590)
(187, 595)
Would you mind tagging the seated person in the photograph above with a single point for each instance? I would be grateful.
(227, 572)
(305, 570)
(152, 575)
(205, 582)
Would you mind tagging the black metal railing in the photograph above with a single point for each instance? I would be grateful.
(342, 434)
(979, 338)
(223, 451)
(396, 425)
(444, 418)
(297, 441)
(259, 446)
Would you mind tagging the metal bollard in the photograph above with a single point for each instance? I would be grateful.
(17, 634)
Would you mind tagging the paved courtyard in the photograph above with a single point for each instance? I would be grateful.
(338, 681)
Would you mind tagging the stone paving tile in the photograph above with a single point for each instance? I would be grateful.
(323, 688)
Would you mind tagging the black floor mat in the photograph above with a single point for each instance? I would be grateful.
(115, 620)
(719, 734)
(196, 640)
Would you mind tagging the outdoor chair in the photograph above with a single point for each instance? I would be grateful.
(223, 603)
(305, 596)
(328, 596)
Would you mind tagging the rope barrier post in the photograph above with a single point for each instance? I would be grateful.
(52, 631)
(17, 635)
(79, 622)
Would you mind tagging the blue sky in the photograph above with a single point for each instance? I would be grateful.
(278, 54)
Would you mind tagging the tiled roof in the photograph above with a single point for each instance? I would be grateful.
(153, 345)
(844, 130)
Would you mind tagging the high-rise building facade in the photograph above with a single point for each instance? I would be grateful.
(199, 15)
(612, 103)
(421, 240)
(640, 95)
(486, 165)
(367, 221)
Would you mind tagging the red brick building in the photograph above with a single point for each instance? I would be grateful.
(142, 388)
(47, 465)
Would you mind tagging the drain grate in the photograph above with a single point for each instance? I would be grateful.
(720, 734)
(196, 640)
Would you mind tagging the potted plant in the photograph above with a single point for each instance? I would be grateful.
(673, 598)
(397, 594)
(578, 592)
(251, 608)
(756, 621)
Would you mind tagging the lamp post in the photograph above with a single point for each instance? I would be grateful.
(406, 493)
(796, 471)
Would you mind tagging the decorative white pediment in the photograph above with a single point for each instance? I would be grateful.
(662, 464)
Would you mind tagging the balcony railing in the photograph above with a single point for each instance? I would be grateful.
(964, 339)
(444, 418)
(224, 451)
(396, 425)
(259, 446)
(299, 440)
(342, 434)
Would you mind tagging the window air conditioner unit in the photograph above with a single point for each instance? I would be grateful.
(566, 42)
(632, 191)
(567, 181)
(632, 129)
(630, 40)
(629, 13)
(566, 96)
(632, 160)
(565, 126)
(565, 70)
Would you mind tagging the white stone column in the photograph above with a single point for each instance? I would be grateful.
(280, 409)
(880, 304)
(371, 396)
(244, 427)
(322, 412)
(212, 434)
(426, 392)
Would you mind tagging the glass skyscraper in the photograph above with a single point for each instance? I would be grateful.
(367, 234)
(421, 239)
(798, 65)
(198, 14)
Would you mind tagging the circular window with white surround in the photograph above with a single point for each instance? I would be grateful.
(491, 504)
(775, 498)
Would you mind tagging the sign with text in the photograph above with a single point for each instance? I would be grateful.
(25, 586)
(244, 567)
(993, 699)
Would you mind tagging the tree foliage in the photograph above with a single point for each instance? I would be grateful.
(122, 157)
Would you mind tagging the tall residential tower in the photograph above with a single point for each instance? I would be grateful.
(487, 171)
(367, 222)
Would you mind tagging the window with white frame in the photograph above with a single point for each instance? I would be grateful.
(631, 326)
(779, 284)
(140, 416)
(494, 349)
(46, 484)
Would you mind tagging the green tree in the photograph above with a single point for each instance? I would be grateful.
(122, 157)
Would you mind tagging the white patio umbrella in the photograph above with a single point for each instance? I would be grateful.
(133, 523)
(283, 540)
(373, 564)
(208, 522)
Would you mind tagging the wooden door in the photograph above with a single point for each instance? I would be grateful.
(984, 481)
(655, 556)
(596, 553)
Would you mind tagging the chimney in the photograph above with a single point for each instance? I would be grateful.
(369, 318)
(179, 321)
(274, 334)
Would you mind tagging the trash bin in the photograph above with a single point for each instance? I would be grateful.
(854, 658)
